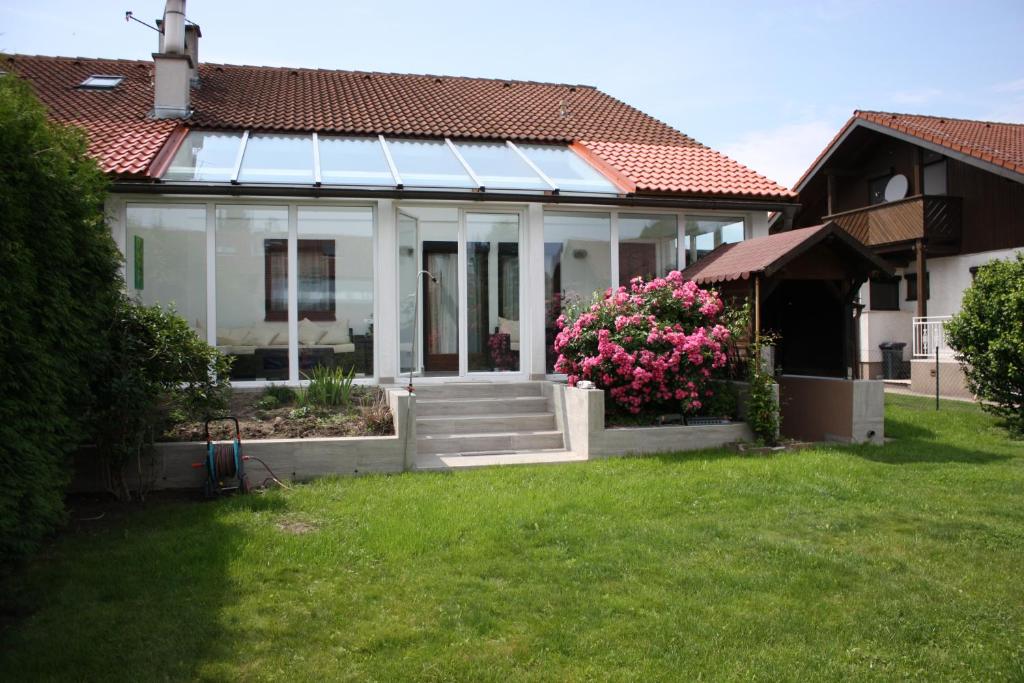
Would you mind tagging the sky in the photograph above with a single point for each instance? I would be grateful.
(768, 83)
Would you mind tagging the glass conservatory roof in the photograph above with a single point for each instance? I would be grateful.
(379, 162)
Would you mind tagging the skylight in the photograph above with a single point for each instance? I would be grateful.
(101, 82)
(379, 162)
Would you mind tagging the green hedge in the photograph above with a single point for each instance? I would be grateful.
(58, 285)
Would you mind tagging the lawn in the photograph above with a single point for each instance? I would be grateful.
(838, 562)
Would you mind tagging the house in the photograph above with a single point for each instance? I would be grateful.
(394, 223)
(935, 197)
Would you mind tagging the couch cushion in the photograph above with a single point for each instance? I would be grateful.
(336, 333)
(309, 332)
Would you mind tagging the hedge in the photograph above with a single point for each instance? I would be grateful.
(58, 284)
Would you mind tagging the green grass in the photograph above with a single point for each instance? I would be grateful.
(857, 563)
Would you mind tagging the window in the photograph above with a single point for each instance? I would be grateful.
(277, 159)
(316, 279)
(885, 294)
(205, 156)
(648, 246)
(935, 177)
(428, 163)
(101, 82)
(577, 263)
(911, 279)
(498, 166)
(876, 189)
(568, 170)
(705, 233)
(353, 161)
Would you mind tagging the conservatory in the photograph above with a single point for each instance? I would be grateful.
(390, 256)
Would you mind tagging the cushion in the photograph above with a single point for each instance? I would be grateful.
(336, 333)
(259, 335)
(509, 327)
(310, 333)
(231, 336)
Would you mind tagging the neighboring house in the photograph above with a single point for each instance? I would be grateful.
(288, 214)
(936, 197)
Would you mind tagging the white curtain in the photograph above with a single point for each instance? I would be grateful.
(444, 307)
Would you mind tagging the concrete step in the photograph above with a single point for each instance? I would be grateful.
(453, 390)
(438, 407)
(485, 424)
(441, 462)
(489, 443)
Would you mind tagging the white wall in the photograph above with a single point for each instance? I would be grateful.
(951, 275)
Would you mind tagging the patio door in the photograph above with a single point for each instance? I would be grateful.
(459, 291)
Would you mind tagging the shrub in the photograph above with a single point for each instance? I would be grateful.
(328, 387)
(653, 345)
(988, 337)
(282, 394)
(156, 367)
(59, 268)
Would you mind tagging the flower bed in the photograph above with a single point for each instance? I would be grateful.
(653, 347)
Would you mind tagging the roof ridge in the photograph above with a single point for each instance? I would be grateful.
(358, 72)
(858, 112)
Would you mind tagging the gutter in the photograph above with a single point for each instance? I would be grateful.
(208, 189)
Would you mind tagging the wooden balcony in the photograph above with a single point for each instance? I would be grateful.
(933, 218)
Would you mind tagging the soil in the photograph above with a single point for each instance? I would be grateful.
(365, 416)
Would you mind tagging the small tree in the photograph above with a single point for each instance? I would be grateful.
(988, 337)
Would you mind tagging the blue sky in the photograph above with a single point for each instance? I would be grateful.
(767, 83)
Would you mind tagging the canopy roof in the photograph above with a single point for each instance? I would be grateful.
(767, 255)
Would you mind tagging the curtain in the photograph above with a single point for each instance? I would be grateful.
(509, 273)
(444, 307)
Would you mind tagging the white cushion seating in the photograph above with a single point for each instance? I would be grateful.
(246, 341)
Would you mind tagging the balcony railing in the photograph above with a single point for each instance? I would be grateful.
(936, 218)
(929, 335)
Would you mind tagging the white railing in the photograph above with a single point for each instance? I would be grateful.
(929, 333)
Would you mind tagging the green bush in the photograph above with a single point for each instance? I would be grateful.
(988, 337)
(156, 368)
(59, 269)
(328, 387)
(280, 393)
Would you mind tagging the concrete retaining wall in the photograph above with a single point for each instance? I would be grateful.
(833, 409)
(580, 416)
(170, 466)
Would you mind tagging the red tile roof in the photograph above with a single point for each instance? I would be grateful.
(649, 153)
(1000, 144)
(768, 254)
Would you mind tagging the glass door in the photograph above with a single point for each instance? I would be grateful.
(428, 274)
(492, 292)
(450, 329)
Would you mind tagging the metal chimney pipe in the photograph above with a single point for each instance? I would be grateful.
(174, 27)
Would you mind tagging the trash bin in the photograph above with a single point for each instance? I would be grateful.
(892, 359)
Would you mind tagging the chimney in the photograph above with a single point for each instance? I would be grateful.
(173, 65)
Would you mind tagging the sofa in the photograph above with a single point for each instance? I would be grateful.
(261, 349)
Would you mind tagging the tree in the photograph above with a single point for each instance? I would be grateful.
(58, 285)
(988, 337)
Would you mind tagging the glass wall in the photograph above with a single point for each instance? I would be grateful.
(335, 288)
(577, 263)
(648, 245)
(252, 290)
(704, 233)
(492, 267)
(428, 240)
(166, 259)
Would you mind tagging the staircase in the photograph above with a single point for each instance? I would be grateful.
(474, 419)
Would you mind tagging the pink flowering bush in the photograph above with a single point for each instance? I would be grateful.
(654, 345)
